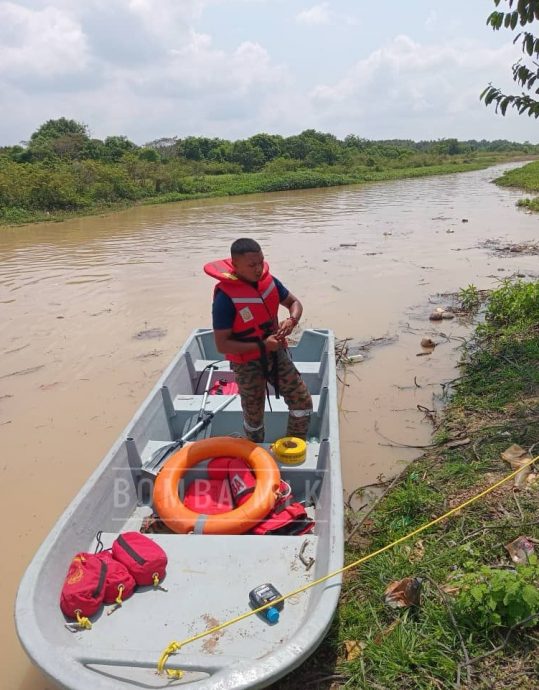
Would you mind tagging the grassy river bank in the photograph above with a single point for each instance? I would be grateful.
(36, 193)
(476, 622)
(527, 179)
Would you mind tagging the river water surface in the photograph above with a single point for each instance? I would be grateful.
(92, 310)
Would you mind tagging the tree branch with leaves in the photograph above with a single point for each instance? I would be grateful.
(526, 70)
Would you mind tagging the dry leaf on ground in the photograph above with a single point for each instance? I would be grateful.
(353, 649)
(517, 456)
(403, 593)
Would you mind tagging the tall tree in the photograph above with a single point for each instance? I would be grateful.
(115, 147)
(525, 70)
(52, 129)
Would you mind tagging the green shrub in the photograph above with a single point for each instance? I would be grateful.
(469, 298)
(495, 597)
(515, 304)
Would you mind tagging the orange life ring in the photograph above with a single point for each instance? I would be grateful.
(181, 519)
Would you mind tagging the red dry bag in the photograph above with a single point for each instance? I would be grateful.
(84, 586)
(119, 583)
(145, 560)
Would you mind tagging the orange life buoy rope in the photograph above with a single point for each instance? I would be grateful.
(181, 519)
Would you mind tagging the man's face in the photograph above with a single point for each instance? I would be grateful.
(249, 266)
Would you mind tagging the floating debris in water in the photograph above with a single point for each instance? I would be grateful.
(506, 249)
(428, 343)
(150, 333)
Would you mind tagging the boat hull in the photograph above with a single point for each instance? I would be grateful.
(208, 576)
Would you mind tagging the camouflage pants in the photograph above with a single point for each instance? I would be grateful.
(252, 385)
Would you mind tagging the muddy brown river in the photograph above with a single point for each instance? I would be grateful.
(93, 309)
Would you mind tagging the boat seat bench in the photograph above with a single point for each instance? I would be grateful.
(305, 479)
(185, 409)
(311, 372)
(192, 403)
(303, 367)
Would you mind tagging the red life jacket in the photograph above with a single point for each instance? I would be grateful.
(256, 308)
(287, 517)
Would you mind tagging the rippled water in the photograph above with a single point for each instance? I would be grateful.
(75, 297)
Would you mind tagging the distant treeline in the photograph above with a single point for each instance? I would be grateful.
(62, 168)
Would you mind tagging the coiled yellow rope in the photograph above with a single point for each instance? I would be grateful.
(175, 646)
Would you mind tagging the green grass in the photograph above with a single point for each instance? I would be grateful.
(531, 204)
(496, 404)
(503, 362)
(498, 376)
(526, 178)
(253, 183)
(206, 186)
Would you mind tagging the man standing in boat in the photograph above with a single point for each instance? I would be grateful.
(245, 309)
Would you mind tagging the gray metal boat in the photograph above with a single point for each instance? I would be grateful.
(208, 576)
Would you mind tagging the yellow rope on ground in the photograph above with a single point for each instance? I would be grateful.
(175, 646)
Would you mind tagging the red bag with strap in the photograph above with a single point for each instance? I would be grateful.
(145, 560)
(84, 586)
(119, 583)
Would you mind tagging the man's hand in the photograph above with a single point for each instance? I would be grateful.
(272, 343)
(285, 328)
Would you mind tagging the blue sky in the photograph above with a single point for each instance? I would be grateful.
(232, 68)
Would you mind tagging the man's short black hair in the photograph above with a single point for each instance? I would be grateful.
(243, 246)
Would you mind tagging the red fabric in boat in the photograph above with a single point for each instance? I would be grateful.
(224, 387)
(237, 473)
(209, 496)
(287, 517)
(218, 467)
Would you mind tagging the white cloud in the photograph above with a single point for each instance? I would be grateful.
(198, 69)
(322, 15)
(318, 15)
(151, 72)
(45, 42)
(406, 82)
(124, 67)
